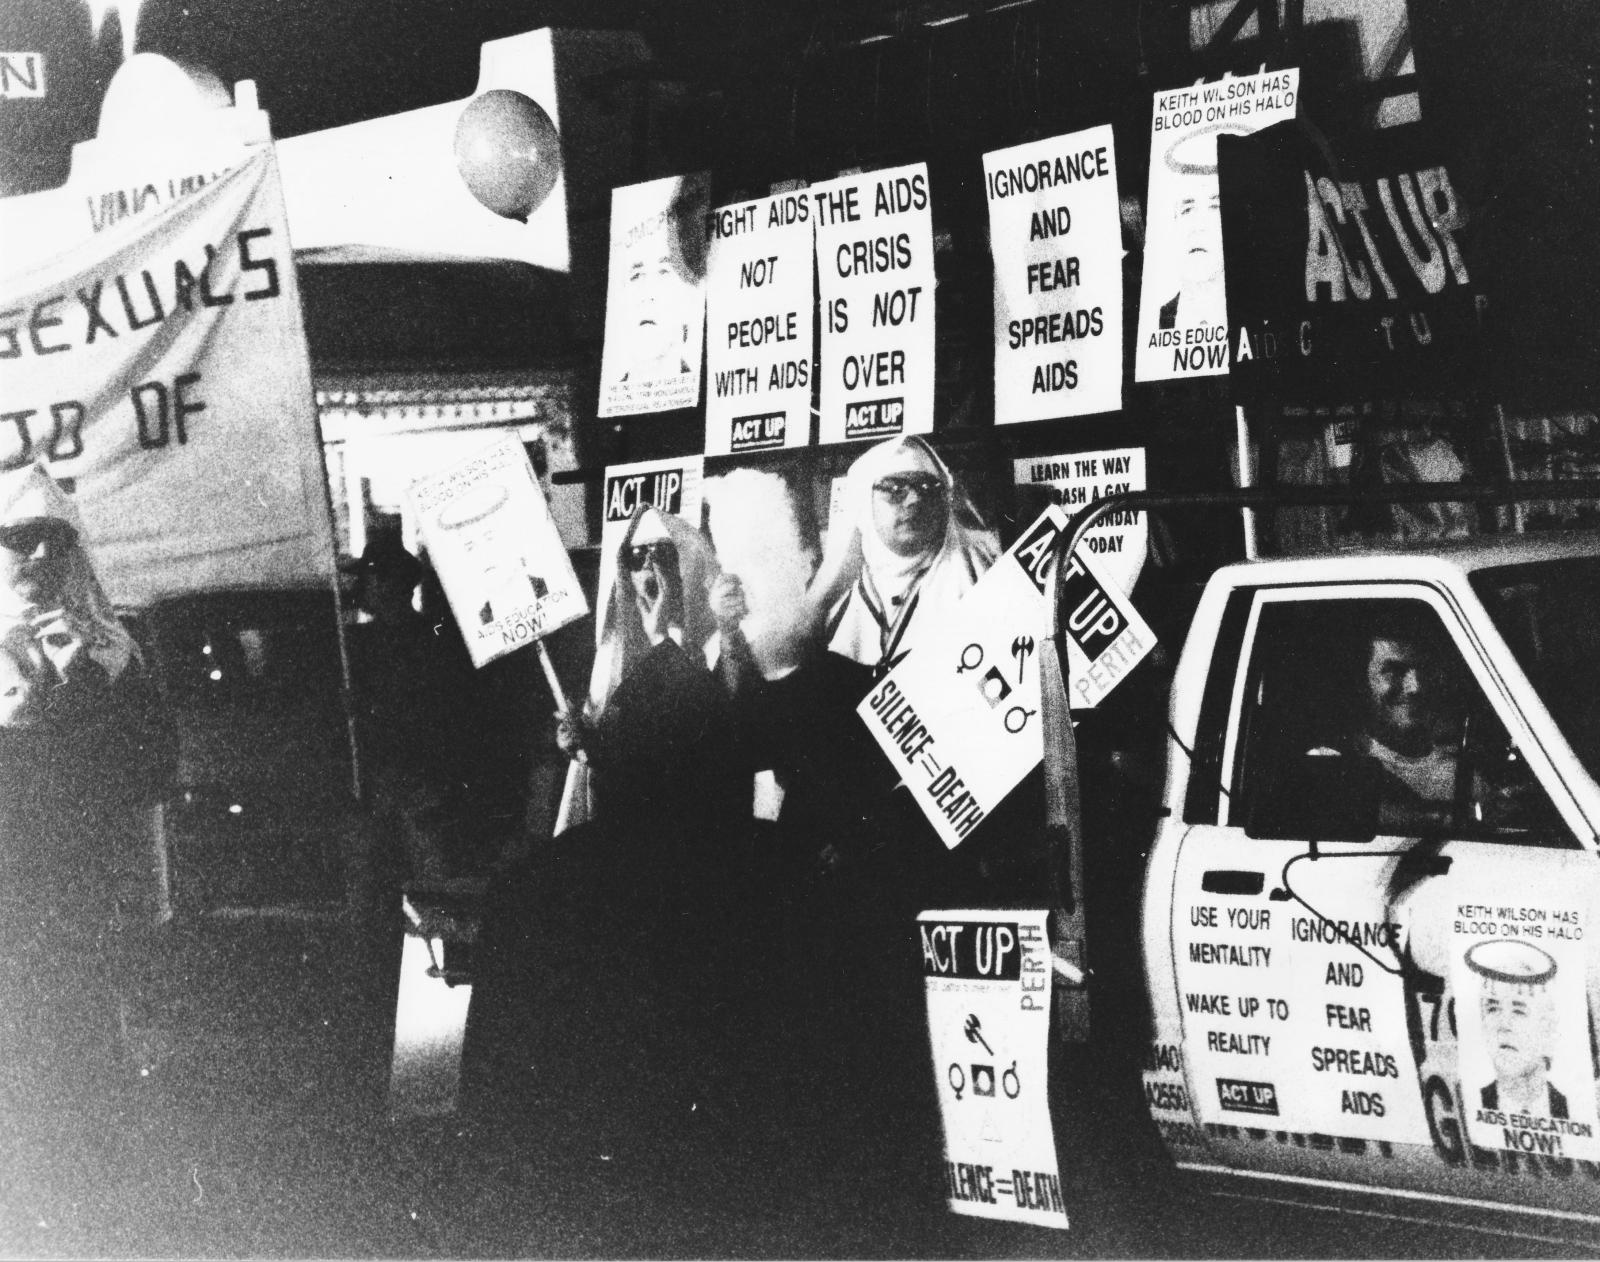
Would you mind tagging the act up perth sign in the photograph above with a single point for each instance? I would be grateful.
(1056, 236)
(158, 369)
(959, 716)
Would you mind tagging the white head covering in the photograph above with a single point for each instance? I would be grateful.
(620, 636)
(858, 558)
(29, 495)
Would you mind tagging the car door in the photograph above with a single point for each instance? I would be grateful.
(1318, 955)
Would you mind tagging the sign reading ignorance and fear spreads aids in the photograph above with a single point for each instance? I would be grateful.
(1056, 236)
(760, 318)
(1521, 1015)
(655, 296)
(1081, 478)
(159, 370)
(959, 716)
(491, 537)
(987, 975)
(875, 286)
(1183, 325)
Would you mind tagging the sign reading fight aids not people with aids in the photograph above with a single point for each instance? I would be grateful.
(1056, 236)
(1183, 320)
(1118, 540)
(987, 976)
(494, 543)
(1521, 1015)
(655, 296)
(760, 318)
(875, 286)
(959, 716)
(157, 366)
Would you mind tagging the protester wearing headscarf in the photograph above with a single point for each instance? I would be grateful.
(83, 756)
(909, 546)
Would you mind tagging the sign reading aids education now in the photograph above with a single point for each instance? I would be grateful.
(1183, 321)
(987, 976)
(1117, 542)
(1056, 236)
(491, 537)
(655, 296)
(875, 285)
(760, 321)
(959, 716)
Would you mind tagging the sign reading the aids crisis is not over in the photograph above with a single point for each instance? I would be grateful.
(875, 283)
(158, 369)
(759, 319)
(1056, 236)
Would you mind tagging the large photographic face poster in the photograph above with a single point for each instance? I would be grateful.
(959, 716)
(1522, 1021)
(1183, 323)
(760, 317)
(1078, 479)
(875, 285)
(987, 975)
(655, 296)
(491, 537)
(1056, 236)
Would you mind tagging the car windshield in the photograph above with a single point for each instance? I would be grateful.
(1546, 611)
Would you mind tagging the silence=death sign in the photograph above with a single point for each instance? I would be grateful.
(875, 282)
(958, 717)
(760, 322)
(1056, 235)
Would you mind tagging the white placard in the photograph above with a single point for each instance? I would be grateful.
(1056, 236)
(959, 715)
(875, 282)
(494, 544)
(1183, 322)
(1118, 541)
(987, 975)
(655, 296)
(760, 325)
(1517, 969)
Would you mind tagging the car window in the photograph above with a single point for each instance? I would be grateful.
(1367, 705)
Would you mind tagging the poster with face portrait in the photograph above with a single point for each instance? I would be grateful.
(655, 296)
(1522, 1021)
(491, 537)
(760, 317)
(1183, 325)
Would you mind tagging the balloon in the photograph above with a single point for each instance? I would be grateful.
(508, 152)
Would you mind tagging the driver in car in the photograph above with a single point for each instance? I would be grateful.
(1409, 726)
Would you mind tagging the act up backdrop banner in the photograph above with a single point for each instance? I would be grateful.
(1182, 300)
(875, 287)
(1056, 236)
(760, 318)
(959, 716)
(159, 370)
(987, 976)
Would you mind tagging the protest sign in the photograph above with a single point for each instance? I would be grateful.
(987, 976)
(760, 313)
(1353, 277)
(158, 368)
(1056, 236)
(1081, 478)
(875, 285)
(491, 537)
(959, 715)
(1183, 324)
(655, 296)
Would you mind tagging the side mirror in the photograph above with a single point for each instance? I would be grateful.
(1319, 795)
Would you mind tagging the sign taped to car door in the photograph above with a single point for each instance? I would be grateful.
(987, 975)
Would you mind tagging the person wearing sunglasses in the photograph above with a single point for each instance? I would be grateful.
(909, 546)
